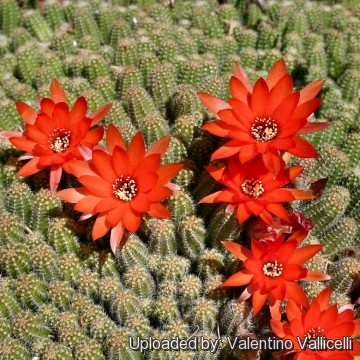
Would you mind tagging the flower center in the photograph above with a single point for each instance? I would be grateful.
(252, 188)
(125, 188)
(59, 140)
(272, 269)
(264, 129)
(314, 333)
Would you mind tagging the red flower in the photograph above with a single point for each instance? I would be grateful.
(265, 119)
(317, 320)
(298, 227)
(254, 190)
(271, 270)
(56, 134)
(120, 186)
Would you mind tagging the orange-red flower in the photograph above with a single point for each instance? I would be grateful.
(56, 134)
(120, 186)
(319, 320)
(265, 119)
(270, 271)
(252, 189)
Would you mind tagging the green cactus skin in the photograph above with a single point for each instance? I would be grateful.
(139, 280)
(203, 314)
(323, 211)
(85, 24)
(56, 351)
(350, 82)
(19, 201)
(101, 328)
(45, 206)
(27, 63)
(162, 85)
(61, 294)
(210, 263)
(191, 233)
(88, 349)
(37, 26)
(339, 236)
(54, 15)
(49, 313)
(62, 236)
(28, 327)
(172, 267)
(132, 252)
(11, 231)
(123, 304)
(343, 272)
(129, 77)
(223, 226)
(154, 127)
(14, 260)
(9, 305)
(138, 324)
(351, 147)
(30, 290)
(189, 290)
(138, 104)
(5, 328)
(176, 152)
(13, 349)
(166, 309)
(70, 267)
(180, 204)
(117, 346)
(162, 237)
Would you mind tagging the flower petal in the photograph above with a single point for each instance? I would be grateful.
(217, 128)
(55, 177)
(116, 236)
(131, 221)
(316, 276)
(306, 109)
(87, 204)
(159, 211)
(30, 168)
(114, 138)
(310, 91)
(238, 250)
(238, 89)
(303, 254)
(212, 103)
(312, 127)
(168, 171)
(277, 71)
(238, 279)
(258, 301)
(103, 165)
(97, 185)
(240, 73)
(242, 213)
(303, 149)
(72, 195)
(136, 150)
(99, 114)
(78, 111)
(23, 143)
(296, 293)
(28, 114)
(57, 92)
(160, 146)
(100, 228)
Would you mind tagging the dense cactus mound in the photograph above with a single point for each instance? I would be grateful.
(64, 296)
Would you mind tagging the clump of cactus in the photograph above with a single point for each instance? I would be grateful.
(64, 295)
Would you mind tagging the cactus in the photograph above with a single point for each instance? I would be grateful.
(162, 237)
(30, 290)
(65, 296)
(139, 280)
(28, 327)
